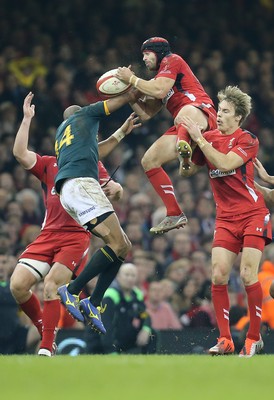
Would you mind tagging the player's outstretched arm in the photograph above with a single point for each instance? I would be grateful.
(146, 107)
(157, 88)
(114, 103)
(21, 152)
(106, 146)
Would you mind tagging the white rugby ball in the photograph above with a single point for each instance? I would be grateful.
(109, 86)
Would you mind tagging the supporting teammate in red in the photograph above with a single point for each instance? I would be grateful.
(268, 196)
(242, 219)
(176, 88)
(60, 251)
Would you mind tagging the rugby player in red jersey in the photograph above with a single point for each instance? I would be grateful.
(268, 194)
(177, 88)
(242, 218)
(60, 251)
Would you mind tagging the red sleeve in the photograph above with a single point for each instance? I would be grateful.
(170, 67)
(39, 167)
(247, 147)
(103, 174)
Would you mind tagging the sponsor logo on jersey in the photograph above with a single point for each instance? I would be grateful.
(86, 211)
(168, 96)
(230, 144)
(216, 173)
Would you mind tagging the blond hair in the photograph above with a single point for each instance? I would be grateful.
(240, 100)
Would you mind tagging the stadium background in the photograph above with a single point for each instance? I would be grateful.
(59, 52)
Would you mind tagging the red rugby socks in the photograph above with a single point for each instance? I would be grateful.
(51, 315)
(220, 301)
(255, 299)
(32, 309)
(163, 186)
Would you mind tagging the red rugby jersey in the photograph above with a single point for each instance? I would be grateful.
(186, 90)
(234, 191)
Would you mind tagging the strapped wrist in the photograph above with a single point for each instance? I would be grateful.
(201, 142)
(133, 80)
(119, 135)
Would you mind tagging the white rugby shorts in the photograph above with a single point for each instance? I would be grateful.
(84, 199)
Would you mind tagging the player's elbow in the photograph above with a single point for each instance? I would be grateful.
(229, 162)
(15, 151)
(158, 91)
(19, 152)
(17, 155)
(227, 165)
(160, 94)
(224, 168)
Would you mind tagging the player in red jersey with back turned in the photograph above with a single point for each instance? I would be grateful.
(177, 88)
(242, 218)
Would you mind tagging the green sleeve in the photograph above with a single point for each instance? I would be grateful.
(113, 294)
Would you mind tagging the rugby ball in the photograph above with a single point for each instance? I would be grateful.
(109, 86)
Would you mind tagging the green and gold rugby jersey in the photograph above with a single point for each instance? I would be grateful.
(76, 145)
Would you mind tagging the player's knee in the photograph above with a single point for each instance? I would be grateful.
(248, 276)
(128, 244)
(18, 287)
(144, 162)
(50, 288)
(219, 275)
(124, 247)
(150, 160)
(13, 286)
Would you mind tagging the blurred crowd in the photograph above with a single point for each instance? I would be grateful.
(59, 52)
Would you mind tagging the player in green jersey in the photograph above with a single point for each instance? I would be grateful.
(77, 152)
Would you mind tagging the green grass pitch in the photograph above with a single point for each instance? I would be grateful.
(169, 377)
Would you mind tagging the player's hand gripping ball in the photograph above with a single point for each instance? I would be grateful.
(109, 86)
